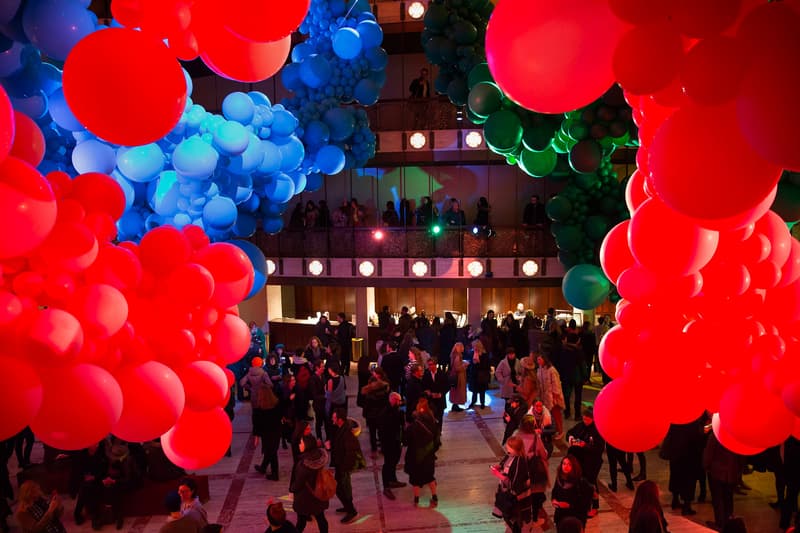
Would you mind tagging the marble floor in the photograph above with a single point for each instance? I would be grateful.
(470, 444)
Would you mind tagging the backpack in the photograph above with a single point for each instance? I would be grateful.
(325, 485)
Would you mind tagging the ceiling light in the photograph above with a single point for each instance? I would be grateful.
(417, 140)
(270, 267)
(530, 267)
(473, 139)
(416, 9)
(419, 268)
(366, 268)
(315, 267)
(475, 268)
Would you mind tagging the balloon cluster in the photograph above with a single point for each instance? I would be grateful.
(110, 338)
(341, 61)
(709, 275)
(453, 39)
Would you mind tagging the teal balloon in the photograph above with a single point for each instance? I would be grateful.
(479, 73)
(585, 156)
(558, 208)
(538, 164)
(231, 138)
(569, 238)
(503, 131)
(585, 286)
(457, 91)
(437, 17)
(596, 227)
(464, 32)
(141, 164)
(484, 99)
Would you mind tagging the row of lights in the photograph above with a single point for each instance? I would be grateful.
(419, 268)
(418, 139)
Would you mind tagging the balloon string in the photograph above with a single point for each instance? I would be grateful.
(351, 8)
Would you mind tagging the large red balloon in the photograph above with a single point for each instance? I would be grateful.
(163, 249)
(7, 123)
(638, 12)
(575, 40)
(70, 247)
(190, 284)
(728, 441)
(81, 405)
(20, 395)
(205, 384)
(231, 338)
(703, 19)
(623, 396)
(102, 309)
(154, 399)
(735, 176)
(713, 69)
(615, 256)
(232, 271)
(27, 208)
(260, 21)
(635, 192)
(199, 439)
(754, 416)
(124, 86)
(54, 337)
(28, 140)
(690, 246)
(98, 192)
(115, 266)
(647, 58)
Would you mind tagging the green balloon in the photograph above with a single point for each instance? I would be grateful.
(538, 137)
(559, 145)
(558, 208)
(538, 164)
(437, 17)
(569, 238)
(622, 140)
(568, 259)
(457, 91)
(485, 98)
(585, 286)
(503, 131)
(578, 130)
(585, 157)
(479, 73)
(442, 81)
(586, 181)
(596, 227)
(562, 170)
(464, 32)
(475, 119)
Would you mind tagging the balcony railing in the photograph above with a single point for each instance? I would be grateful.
(407, 242)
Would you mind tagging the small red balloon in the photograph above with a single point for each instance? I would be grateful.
(20, 394)
(27, 208)
(199, 439)
(28, 140)
(647, 58)
(98, 192)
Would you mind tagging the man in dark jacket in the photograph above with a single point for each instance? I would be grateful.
(394, 365)
(791, 469)
(413, 391)
(569, 365)
(405, 322)
(345, 451)
(724, 468)
(435, 386)
(344, 334)
(390, 433)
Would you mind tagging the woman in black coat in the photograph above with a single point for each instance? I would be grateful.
(514, 475)
(588, 446)
(422, 439)
(312, 460)
(480, 374)
(572, 494)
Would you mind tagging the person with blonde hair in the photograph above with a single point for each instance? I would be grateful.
(458, 377)
(480, 374)
(36, 513)
(551, 392)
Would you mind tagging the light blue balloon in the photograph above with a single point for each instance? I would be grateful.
(49, 78)
(315, 71)
(292, 154)
(330, 159)
(93, 156)
(195, 158)
(283, 123)
(314, 182)
(61, 113)
(347, 43)
(259, 98)
(370, 32)
(231, 138)
(163, 194)
(127, 188)
(316, 134)
(181, 219)
(55, 26)
(141, 164)
(279, 188)
(299, 180)
(130, 225)
(239, 107)
(219, 213)
(341, 123)
(34, 106)
(273, 225)
(301, 51)
(247, 161)
(258, 261)
(290, 76)
(271, 161)
(366, 92)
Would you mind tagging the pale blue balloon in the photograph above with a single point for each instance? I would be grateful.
(62, 114)
(231, 138)
(330, 159)
(292, 153)
(127, 188)
(141, 164)
(271, 161)
(299, 180)
(347, 43)
(239, 107)
(181, 219)
(194, 158)
(93, 156)
(279, 188)
(163, 194)
(220, 213)
(247, 161)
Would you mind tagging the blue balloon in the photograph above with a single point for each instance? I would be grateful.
(247, 161)
(220, 213)
(315, 71)
(245, 225)
(231, 138)
(34, 106)
(163, 194)
(8, 8)
(238, 107)
(127, 189)
(377, 58)
(279, 188)
(316, 134)
(55, 26)
(299, 180)
(330, 159)
(258, 261)
(283, 123)
(194, 158)
(370, 32)
(271, 161)
(366, 92)
(347, 43)
(301, 51)
(49, 78)
(141, 164)
(62, 114)
(93, 156)
(290, 76)
(11, 59)
(378, 76)
(259, 98)
(271, 209)
(130, 225)
(292, 154)
(314, 182)
(341, 123)
(272, 226)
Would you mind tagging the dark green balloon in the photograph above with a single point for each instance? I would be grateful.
(464, 32)
(538, 164)
(485, 98)
(787, 201)
(436, 17)
(569, 238)
(479, 73)
(585, 157)
(558, 208)
(596, 227)
(568, 259)
(475, 119)
(578, 130)
(447, 51)
(585, 286)
(586, 181)
(442, 81)
(538, 137)
(562, 170)
(457, 91)
(503, 131)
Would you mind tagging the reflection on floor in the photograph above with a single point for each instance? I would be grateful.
(471, 442)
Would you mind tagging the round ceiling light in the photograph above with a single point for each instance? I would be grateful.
(417, 140)
(270, 267)
(530, 268)
(473, 139)
(475, 268)
(419, 268)
(416, 9)
(366, 268)
(315, 267)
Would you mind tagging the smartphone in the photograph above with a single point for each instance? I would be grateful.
(373, 366)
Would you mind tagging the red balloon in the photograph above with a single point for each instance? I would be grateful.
(615, 349)
(615, 256)
(713, 70)
(98, 192)
(101, 308)
(115, 266)
(232, 271)
(154, 400)
(7, 124)
(28, 140)
(197, 237)
(736, 177)
(637, 12)
(767, 108)
(728, 441)
(568, 76)
(55, 337)
(205, 384)
(653, 225)
(791, 397)
(60, 182)
(28, 284)
(80, 406)
(653, 116)
(163, 249)
(190, 284)
(754, 416)
(790, 272)
(642, 428)
(229, 375)
(128, 12)
(743, 219)
(723, 278)
(647, 57)
(776, 231)
(259, 21)
(634, 191)
(27, 208)
(199, 439)
(20, 395)
(120, 102)
(10, 308)
(231, 338)
(70, 247)
(704, 19)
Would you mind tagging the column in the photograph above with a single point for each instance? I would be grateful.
(474, 307)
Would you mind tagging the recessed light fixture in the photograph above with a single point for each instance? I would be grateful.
(530, 268)
(475, 268)
(473, 139)
(416, 9)
(417, 140)
(315, 267)
(366, 268)
(419, 268)
(270, 267)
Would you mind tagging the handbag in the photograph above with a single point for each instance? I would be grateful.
(504, 501)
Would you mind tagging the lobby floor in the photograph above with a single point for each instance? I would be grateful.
(470, 444)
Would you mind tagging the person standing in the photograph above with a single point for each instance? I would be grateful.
(390, 432)
(458, 378)
(312, 460)
(683, 447)
(551, 391)
(345, 451)
(587, 445)
(480, 374)
(423, 442)
(420, 93)
(178, 522)
(434, 387)
(344, 334)
(724, 468)
(36, 513)
(508, 374)
(791, 469)
(572, 494)
(414, 390)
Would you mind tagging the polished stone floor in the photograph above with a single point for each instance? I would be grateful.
(470, 444)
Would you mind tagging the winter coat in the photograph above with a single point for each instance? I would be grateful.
(422, 440)
(345, 448)
(721, 463)
(503, 375)
(458, 393)
(590, 455)
(305, 478)
(579, 497)
(376, 399)
(550, 390)
(480, 373)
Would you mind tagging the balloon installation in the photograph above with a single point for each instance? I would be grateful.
(112, 338)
